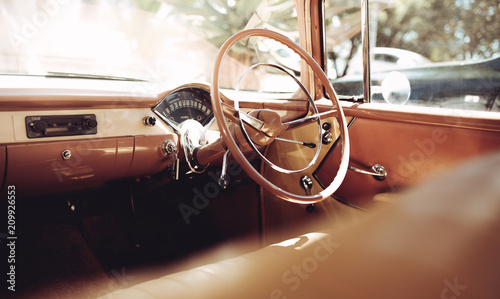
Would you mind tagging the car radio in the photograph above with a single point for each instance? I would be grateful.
(60, 125)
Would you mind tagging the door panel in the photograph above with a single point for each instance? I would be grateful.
(410, 150)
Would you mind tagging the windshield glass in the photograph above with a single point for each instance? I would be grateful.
(172, 41)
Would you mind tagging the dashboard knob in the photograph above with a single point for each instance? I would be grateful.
(91, 123)
(327, 126)
(327, 138)
(169, 147)
(149, 121)
(39, 126)
(66, 154)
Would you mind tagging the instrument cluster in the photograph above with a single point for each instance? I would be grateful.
(189, 102)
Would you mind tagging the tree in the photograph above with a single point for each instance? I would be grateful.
(343, 33)
(217, 20)
(442, 29)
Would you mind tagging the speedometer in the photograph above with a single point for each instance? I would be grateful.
(185, 103)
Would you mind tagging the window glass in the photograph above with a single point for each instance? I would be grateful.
(343, 43)
(172, 41)
(444, 53)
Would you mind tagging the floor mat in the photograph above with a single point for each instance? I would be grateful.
(54, 261)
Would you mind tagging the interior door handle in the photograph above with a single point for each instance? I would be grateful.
(378, 171)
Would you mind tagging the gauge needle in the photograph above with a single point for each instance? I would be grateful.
(308, 144)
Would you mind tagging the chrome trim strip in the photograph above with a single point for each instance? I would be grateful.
(365, 44)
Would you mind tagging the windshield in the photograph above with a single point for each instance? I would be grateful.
(170, 41)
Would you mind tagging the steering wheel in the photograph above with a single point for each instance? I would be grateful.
(273, 128)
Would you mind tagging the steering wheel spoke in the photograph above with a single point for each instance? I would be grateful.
(294, 124)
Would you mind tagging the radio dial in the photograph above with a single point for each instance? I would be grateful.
(40, 126)
(91, 123)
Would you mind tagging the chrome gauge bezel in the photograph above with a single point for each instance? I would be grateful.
(176, 126)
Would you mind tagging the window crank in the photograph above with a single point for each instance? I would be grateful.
(378, 171)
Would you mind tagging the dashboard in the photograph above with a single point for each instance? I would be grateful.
(62, 135)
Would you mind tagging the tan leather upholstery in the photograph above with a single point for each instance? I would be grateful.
(440, 240)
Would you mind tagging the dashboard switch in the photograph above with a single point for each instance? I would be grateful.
(91, 123)
(40, 126)
(66, 154)
(149, 121)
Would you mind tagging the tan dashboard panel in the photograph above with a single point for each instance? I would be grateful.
(296, 156)
(38, 168)
(148, 156)
(111, 123)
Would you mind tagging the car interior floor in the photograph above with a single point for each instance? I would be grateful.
(112, 236)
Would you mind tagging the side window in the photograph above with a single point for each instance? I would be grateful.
(343, 46)
(448, 50)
